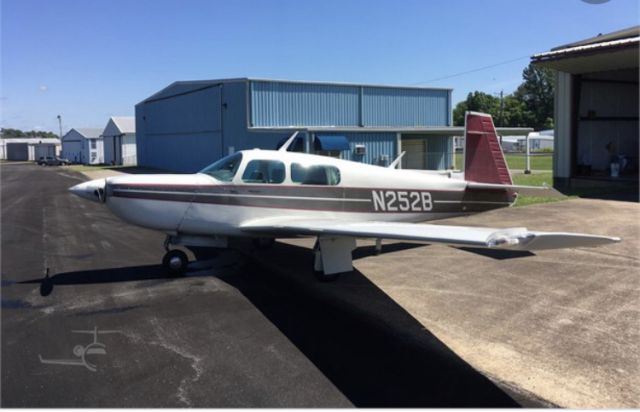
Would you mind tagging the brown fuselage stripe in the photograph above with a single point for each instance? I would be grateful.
(335, 199)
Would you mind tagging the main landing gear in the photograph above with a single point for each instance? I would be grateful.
(175, 260)
(332, 256)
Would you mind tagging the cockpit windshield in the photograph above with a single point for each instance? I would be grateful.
(224, 169)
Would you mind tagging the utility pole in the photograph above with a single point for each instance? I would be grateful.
(501, 108)
(60, 124)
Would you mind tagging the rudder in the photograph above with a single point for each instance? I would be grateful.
(484, 160)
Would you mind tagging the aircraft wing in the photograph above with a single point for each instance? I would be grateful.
(518, 238)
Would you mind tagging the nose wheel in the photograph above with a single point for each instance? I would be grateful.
(175, 261)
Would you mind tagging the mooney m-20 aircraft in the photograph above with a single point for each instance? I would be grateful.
(266, 194)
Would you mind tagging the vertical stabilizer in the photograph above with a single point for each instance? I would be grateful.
(483, 158)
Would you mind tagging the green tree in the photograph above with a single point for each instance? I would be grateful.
(476, 102)
(531, 105)
(516, 113)
(536, 92)
(8, 132)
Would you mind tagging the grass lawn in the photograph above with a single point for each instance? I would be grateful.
(517, 161)
(535, 179)
(88, 168)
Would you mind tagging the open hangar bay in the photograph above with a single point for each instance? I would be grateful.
(418, 325)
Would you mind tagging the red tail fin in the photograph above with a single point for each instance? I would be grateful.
(483, 159)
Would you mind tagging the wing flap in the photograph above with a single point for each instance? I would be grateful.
(510, 238)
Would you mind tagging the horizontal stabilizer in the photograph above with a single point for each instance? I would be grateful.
(474, 185)
(511, 238)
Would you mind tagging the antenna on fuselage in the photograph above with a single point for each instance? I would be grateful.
(397, 161)
(288, 143)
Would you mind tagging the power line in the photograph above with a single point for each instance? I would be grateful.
(472, 70)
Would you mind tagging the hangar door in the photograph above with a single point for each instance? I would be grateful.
(184, 132)
(427, 152)
(17, 151)
(416, 154)
(44, 150)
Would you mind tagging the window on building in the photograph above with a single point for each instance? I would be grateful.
(93, 144)
(264, 171)
(224, 169)
(315, 175)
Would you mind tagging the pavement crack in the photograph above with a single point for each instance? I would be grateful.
(196, 362)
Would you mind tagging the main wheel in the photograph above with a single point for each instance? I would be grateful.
(175, 261)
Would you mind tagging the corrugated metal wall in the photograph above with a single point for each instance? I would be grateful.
(236, 135)
(385, 106)
(377, 145)
(279, 104)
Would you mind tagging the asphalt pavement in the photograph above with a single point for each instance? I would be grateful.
(109, 328)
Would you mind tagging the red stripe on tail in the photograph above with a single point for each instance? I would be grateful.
(484, 161)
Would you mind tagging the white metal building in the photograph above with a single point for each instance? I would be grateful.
(596, 109)
(83, 146)
(28, 148)
(119, 141)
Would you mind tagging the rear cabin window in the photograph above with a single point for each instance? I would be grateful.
(264, 171)
(315, 175)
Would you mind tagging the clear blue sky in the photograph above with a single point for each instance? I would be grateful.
(88, 60)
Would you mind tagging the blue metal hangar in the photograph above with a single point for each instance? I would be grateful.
(190, 124)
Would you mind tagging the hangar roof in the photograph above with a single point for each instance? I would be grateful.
(118, 125)
(126, 124)
(30, 140)
(89, 132)
(187, 86)
(612, 51)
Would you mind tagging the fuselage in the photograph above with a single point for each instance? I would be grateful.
(261, 184)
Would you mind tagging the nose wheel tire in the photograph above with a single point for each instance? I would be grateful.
(175, 261)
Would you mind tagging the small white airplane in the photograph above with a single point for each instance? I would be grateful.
(266, 194)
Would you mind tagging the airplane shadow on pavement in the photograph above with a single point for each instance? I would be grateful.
(374, 351)
(124, 274)
(367, 345)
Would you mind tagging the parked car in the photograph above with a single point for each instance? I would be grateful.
(52, 161)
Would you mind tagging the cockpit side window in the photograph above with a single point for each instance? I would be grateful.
(315, 175)
(224, 169)
(264, 171)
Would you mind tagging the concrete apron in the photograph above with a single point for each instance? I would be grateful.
(560, 325)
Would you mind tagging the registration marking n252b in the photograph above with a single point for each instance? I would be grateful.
(401, 201)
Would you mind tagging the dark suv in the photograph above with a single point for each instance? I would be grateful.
(52, 161)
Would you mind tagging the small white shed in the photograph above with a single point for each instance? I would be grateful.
(119, 138)
(83, 145)
(28, 148)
